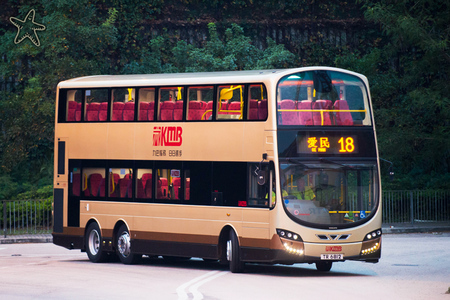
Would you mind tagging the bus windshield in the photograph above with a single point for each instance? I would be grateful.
(327, 193)
(322, 98)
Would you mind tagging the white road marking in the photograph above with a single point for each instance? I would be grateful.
(193, 289)
(200, 280)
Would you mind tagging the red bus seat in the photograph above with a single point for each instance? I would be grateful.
(140, 192)
(147, 184)
(94, 184)
(128, 111)
(288, 117)
(117, 111)
(103, 113)
(102, 188)
(253, 109)
(342, 117)
(262, 109)
(92, 111)
(305, 114)
(196, 109)
(235, 107)
(71, 111)
(178, 111)
(151, 111)
(166, 111)
(208, 110)
(78, 112)
(125, 187)
(143, 111)
(223, 108)
(322, 118)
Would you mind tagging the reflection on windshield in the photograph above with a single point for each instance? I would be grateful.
(328, 193)
(322, 98)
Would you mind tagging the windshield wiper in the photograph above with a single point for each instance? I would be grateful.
(296, 162)
(327, 161)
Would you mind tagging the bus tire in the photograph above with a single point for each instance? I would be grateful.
(93, 242)
(233, 254)
(123, 246)
(324, 266)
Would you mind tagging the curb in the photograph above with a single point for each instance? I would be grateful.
(399, 230)
(25, 240)
(386, 230)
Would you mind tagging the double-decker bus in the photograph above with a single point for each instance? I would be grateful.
(267, 166)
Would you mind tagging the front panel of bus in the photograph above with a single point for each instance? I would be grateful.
(329, 181)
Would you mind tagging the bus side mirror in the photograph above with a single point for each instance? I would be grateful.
(391, 173)
(260, 174)
(390, 170)
(261, 177)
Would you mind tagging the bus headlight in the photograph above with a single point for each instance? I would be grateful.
(372, 235)
(292, 242)
(371, 242)
(370, 247)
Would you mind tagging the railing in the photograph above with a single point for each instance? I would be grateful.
(35, 216)
(25, 217)
(416, 206)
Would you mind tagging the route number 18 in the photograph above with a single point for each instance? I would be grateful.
(347, 144)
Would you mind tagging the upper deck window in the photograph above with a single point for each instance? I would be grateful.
(171, 104)
(123, 104)
(146, 104)
(230, 102)
(322, 98)
(200, 103)
(73, 104)
(96, 105)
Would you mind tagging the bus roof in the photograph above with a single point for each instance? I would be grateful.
(187, 78)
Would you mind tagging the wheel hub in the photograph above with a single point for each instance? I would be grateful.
(94, 242)
(124, 244)
(229, 251)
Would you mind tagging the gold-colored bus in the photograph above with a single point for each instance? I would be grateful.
(267, 166)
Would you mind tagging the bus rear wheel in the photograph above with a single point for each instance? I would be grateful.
(93, 242)
(324, 266)
(123, 246)
(233, 254)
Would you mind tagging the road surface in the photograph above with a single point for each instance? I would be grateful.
(413, 266)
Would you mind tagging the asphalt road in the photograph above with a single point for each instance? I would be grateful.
(413, 266)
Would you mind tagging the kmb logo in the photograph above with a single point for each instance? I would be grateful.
(333, 248)
(167, 136)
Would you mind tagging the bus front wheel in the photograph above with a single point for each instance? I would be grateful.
(324, 266)
(93, 242)
(123, 246)
(233, 254)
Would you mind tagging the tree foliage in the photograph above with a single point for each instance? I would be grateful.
(407, 63)
(409, 72)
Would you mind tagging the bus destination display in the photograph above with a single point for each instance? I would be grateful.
(327, 144)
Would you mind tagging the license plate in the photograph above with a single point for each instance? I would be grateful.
(332, 256)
